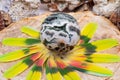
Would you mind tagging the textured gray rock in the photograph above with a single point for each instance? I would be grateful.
(25, 8)
(105, 7)
(5, 5)
(19, 9)
(31, 3)
(62, 5)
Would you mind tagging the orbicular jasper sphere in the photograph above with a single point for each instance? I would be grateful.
(60, 32)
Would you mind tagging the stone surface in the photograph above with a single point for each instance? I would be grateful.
(31, 3)
(64, 5)
(23, 9)
(105, 30)
(5, 5)
(105, 7)
(115, 17)
(5, 20)
(19, 9)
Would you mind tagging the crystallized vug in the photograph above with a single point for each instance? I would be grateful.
(60, 32)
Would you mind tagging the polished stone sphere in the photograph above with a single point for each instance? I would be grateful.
(60, 32)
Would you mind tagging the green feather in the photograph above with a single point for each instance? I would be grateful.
(94, 57)
(90, 68)
(69, 74)
(100, 45)
(20, 41)
(48, 73)
(18, 68)
(35, 73)
(102, 58)
(31, 32)
(104, 44)
(51, 70)
(88, 31)
(15, 55)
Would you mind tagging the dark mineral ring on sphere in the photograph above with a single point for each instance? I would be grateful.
(60, 32)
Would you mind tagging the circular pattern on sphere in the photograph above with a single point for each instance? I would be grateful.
(60, 32)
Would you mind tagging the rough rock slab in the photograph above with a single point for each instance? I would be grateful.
(105, 7)
(105, 30)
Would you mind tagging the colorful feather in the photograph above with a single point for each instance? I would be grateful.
(53, 73)
(61, 66)
(31, 32)
(102, 58)
(94, 57)
(66, 72)
(35, 56)
(60, 63)
(90, 68)
(35, 73)
(15, 55)
(69, 74)
(100, 45)
(51, 70)
(88, 31)
(18, 68)
(20, 41)
(104, 44)
(42, 59)
(48, 73)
